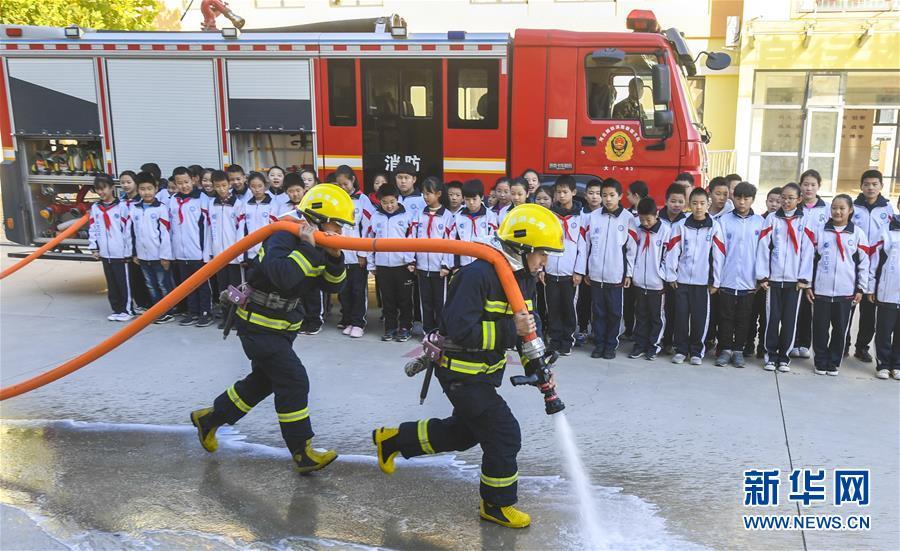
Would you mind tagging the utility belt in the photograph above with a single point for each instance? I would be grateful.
(434, 353)
(272, 301)
(242, 299)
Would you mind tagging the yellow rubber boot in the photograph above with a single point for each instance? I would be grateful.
(386, 454)
(310, 459)
(507, 516)
(207, 436)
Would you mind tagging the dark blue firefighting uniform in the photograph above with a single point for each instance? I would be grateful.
(478, 322)
(291, 268)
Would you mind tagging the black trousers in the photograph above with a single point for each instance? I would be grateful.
(756, 329)
(275, 368)
(432, 294)
(140, 295)
(866, 330)
(782, 303)
(229, 275)
(669, 309)
(649, 320)
(804, 324)
(313, 308)
(712, 332)
(735, 313)
(562, 320)
(831, 322)
(606, 315)
(118, 284)
(396, 284)
(583, 308)
(887, 335)
(628, 298)
(480, 416)
(354, 296)
(199, 301)
(692, 309)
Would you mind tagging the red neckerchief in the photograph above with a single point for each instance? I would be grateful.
(565, 225)
(474, 225)
(646, 239)
(840, 245)
(431, 216)
(181, 203)
(792, 234)
(106, 219)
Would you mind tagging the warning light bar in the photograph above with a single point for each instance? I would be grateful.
(642, 21)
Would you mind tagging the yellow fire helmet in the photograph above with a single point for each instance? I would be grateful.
(531, 227)
(327, 203)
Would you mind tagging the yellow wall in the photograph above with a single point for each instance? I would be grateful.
(720, 110)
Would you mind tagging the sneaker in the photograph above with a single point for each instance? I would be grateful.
(312, 330)
(883, 374)
(113, 317)
(749, 349)
(124, 317)
(724, 358)
(205, 320)
(507, 516)
(139, 309)
(832, 371)
(165, 318)
(784, 368)
(895, 373)
(188, 319)
(417, 329)
(356, 332)
(678, 358)
(863, 355)
(597, 352)
(803, 352)
(794, 353)
(820, 370)
(402, 335)
(737, 360)
(696, 360)
(346, 329)
(760, 352)
(637, 354)
(609, 355)
(389, 335)
(770, 366)
(650, 356)
(580, 339)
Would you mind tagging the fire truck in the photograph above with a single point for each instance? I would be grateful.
(365, 94)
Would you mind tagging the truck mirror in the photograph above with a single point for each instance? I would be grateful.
(662, 89)
(663, 119)
(717, 61)
(608, 56)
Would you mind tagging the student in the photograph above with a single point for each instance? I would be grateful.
(840, 278)
(871, 213)
(559, 286)
(140, 298)
(275, 177)
(756, 332)
(206, 183)
(260, 210)
(110, 241)
(651, 237)
(189, 217)
(434, 222)
(686, 181)
(815, 213)
(196, 174)
(393, 271)
(593, 200)
(694, 258)
(783, 269)
(884, 284)
(130, 194)
(410, 197)
(237, 179)
(378, 180)
(637, 190)
(518, 193)
(473, 222)
(503, 202)
(152, 241)
(606, 251)
(669, 215)
(309, 178)
(544, 197)
(533, 179)
(741, 229)
(732, 180)
(226, 221)
(719, 194)
(354, 294)
(295, 189)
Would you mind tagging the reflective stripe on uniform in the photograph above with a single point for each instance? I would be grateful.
(306, 265)
(261, 253)
(488, 335)
(236, 400)
(502, 307)
(293, 416)
(471, 368)
(269, 323)
(499, 482)
(422, 429)
(335, 278)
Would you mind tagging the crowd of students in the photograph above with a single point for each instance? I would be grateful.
(700, 273)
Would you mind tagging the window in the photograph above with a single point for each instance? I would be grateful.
(613, 89)
(696, 87)
(342, 92)
(414, 99)
(475, 103)
(355, 3)
(806, 6)
(263, 4)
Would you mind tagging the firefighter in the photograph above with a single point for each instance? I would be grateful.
(630, 107)
(478, 326)
(285, 268)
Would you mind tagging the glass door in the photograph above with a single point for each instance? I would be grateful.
(821, 144)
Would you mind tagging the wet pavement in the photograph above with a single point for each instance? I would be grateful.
(105, 458)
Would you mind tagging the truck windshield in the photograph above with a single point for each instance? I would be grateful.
(623, 91)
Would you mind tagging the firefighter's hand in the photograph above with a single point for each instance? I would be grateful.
(856, 298)
(577, 279)
(525, 324)
(627, 283)
(96, 255)
(307, 233)
(164, 264)
(811, 297)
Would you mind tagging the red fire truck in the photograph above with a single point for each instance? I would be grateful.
(457, 105)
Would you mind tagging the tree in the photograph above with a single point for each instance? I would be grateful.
(91, 14)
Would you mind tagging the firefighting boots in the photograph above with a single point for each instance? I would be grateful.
(205, 431)
(309, 459)
(507, 516)
(385, 440)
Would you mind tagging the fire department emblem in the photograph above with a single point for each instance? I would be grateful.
(619, 147)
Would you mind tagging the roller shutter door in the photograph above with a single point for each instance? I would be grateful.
(269, 95)
(54, 96)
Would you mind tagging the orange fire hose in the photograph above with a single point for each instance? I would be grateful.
(507, 280)
(68, 232)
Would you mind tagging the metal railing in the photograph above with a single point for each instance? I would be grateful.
(720, 163)
(832, 6)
